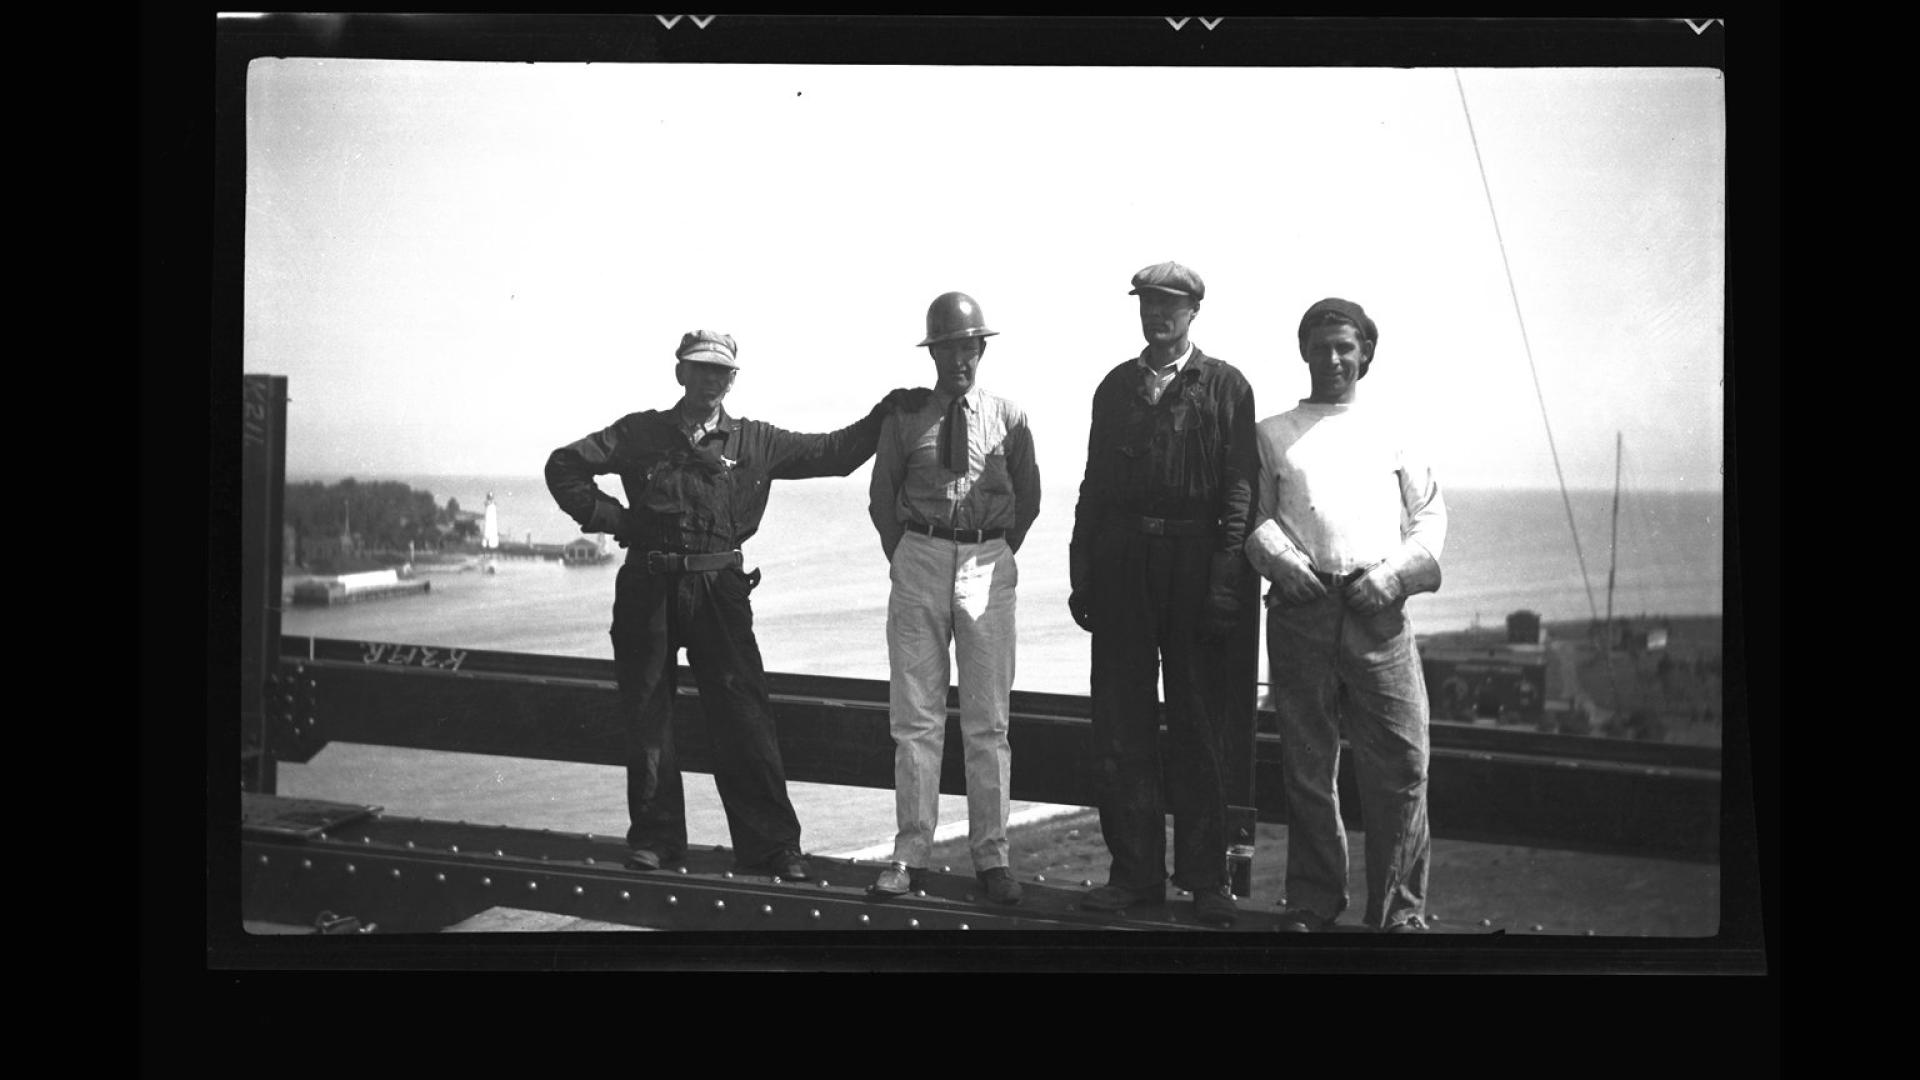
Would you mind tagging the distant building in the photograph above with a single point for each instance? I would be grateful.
(1523, 628)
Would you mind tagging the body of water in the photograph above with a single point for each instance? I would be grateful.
(821, 610)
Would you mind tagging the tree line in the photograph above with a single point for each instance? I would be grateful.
(380, 516)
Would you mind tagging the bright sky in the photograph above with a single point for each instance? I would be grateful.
(460, 266)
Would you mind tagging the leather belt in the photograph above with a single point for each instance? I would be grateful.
(1154, 526)
(666, 562)
(962, 536)
(1332, 582)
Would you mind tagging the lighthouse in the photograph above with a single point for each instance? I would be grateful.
(490, 528)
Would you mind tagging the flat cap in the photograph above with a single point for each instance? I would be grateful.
(1347, 310)
(1169, 277)
(708, 347)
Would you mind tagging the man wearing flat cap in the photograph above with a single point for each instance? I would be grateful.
(696, 480)
(1159, 579)
(955, 489)
(1349, 523)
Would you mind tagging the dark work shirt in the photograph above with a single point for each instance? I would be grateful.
(694, 497)
(1189, 456)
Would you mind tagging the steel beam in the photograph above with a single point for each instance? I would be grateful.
(263, 479)
(396, 874)
(1557, 791)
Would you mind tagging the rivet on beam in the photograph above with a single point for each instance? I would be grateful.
(499, 853)
(964, 926)
(921, 893)
(728, 875)
(1087, 882)
(1537, 928)
(263, 860)
(719, 905)
(579, 891)
(824, 883)
(1486, 922)
(396, 873)
(864, 920)
(815, 913)
(306, 864)
(683, 870)
(486, 883)
(766, 909)
(409, 843)
(533, 886)
(441, 878)
(366, 839)
(776, 879)
(1039, 877)
(946, 869)
(913, 924)
(590, 860)
(455, 849)
(673, 901)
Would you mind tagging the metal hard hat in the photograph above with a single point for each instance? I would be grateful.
(953, 316)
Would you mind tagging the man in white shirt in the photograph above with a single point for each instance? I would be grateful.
(1350, 523)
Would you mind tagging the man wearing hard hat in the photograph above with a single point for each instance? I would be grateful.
(955, 489)
(696, 479)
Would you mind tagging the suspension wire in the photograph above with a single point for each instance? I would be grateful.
(1592, 607)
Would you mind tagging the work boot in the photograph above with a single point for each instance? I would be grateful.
(1111, 897)
(1215, 906)
(1000, 886)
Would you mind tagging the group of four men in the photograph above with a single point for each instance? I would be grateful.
(1185, 504)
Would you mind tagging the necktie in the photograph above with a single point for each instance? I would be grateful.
(953, 441)
(1150, 384)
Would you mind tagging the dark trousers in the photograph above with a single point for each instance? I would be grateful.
(654, 617)
(1148, 596)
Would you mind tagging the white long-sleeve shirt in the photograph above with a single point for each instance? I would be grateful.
(1338, 484)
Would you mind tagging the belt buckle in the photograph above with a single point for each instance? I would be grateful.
(1154, 526)
(660, 562)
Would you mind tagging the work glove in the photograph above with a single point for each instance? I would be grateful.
(1226, 576)
(1407, 572)
(1079, 600)
(1293, 578)
(903, 400)
(1375, 590)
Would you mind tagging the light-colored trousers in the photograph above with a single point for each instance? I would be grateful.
(959, 595)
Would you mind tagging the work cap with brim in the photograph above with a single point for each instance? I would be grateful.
(1347, 310)
(708, 347)
(1169, 277)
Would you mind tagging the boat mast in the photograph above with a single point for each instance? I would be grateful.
(1613, 545)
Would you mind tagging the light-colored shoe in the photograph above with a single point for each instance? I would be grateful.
(895, 880)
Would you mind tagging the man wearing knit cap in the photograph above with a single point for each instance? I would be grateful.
(1159, 579)
(1350, 523)
(955, 489)
(696, 480)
